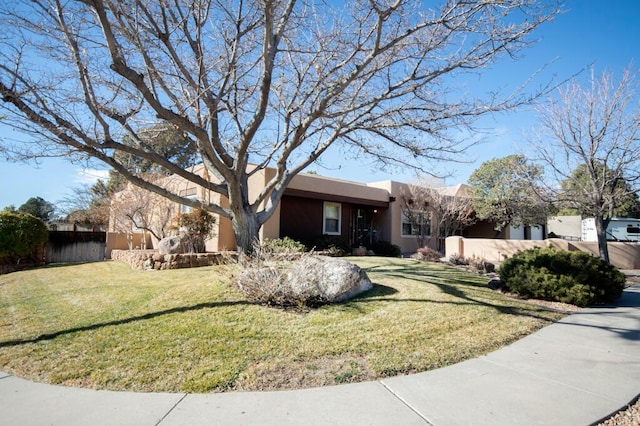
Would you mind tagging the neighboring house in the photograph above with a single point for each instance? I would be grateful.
(315, 207)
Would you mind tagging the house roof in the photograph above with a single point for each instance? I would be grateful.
(331, 189)
(459, 190)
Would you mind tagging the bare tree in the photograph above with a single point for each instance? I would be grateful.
(273, 83)
(593, 129)
(87, 204)
(142, 210)
(447, 213)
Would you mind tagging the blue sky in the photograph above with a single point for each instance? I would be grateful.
(603, 32)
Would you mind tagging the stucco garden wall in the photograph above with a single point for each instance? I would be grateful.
(622, 255)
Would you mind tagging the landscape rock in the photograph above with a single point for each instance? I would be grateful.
(496, 284)
(170, 245)
(359, 251)
(489, 267)
(151, 259)
(328, 279)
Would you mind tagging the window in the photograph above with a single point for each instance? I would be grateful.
(415, 222)
(633, 229)
(191, 194)
(332, 218)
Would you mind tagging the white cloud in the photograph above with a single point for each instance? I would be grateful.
(90, 176)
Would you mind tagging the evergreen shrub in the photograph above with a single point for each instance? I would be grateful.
(332, 245)
(283, 245)
(385, 248)
(22, 238)
(574, 277)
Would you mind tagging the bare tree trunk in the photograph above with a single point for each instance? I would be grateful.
(601, 232)
(246, 229)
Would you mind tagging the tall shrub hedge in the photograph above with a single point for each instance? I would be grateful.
(559, 275)
(22, 238)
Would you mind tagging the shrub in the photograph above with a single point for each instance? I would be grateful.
(427, 254)
(476, 264)
(281, 246)
(332, 245)
(264, 280)
(196, 226)
(480, 265)
(558, 275)
(22, 237)
(456, 259)
(385, 248)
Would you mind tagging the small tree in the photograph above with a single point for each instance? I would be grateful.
(38, 207)
(417, 213)
(195, 227)
(138, 209)
(87, 204)
(448, 214)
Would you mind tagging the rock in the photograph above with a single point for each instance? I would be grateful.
(328, 279)
(497, 284)
(359, 251)
(157, 257)
(489, 267)
(147, 264)
(170, 245)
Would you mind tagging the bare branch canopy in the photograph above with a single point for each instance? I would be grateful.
(252, 82)
(590, 142)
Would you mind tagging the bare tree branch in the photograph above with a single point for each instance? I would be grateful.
(267, 83)
(593, 128)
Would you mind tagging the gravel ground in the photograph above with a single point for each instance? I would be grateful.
(628, 417)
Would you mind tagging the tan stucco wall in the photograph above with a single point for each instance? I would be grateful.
(393, 221)
(271, 228)
(325, 185)
(118, 241)
(622, 255)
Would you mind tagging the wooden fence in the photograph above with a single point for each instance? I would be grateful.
(75, 247)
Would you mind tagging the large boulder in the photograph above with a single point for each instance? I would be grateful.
(171, 245)
(327, 279)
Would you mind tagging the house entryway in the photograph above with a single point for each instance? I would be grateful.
(364, 230)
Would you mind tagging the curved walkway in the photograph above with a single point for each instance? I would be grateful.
(574, 372)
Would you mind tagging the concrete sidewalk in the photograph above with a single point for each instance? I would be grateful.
(574, 372)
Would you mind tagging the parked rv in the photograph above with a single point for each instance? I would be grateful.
(619, 229)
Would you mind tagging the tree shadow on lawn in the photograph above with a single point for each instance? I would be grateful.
(436, 278)
(378, 290)
(51, 336)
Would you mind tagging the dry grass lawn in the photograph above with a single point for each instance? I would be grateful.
(104, 325)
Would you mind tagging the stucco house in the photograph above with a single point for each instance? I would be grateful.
(313, 207)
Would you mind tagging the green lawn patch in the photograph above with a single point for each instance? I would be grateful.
(104, 325)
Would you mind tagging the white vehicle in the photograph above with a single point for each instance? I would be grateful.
(619, 229)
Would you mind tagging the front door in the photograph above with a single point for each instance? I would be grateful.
(363, 231)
